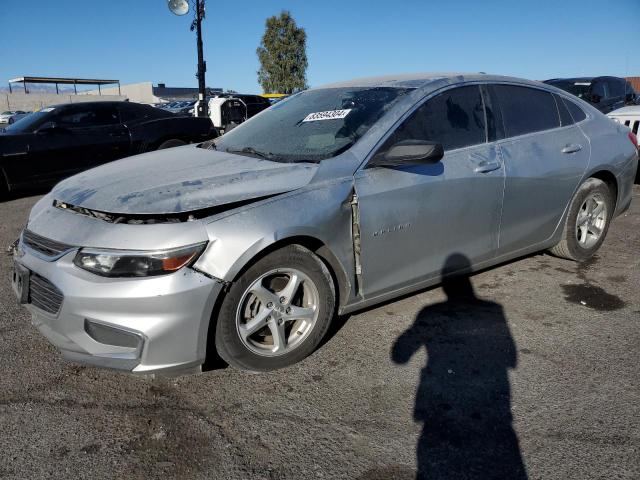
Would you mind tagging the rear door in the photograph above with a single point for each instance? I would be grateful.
(545, 155)
(413, 217)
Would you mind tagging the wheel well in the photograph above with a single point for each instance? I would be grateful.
(4, 182)
(611, 181)
(167, 138)
(339, 276)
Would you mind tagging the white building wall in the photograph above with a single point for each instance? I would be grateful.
(135, 92)
(35, 101)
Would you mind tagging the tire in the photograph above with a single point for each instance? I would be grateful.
(271, 277)
(4, 189)
(171, 143)
(579, 243)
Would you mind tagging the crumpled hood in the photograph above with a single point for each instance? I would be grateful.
(177, 180)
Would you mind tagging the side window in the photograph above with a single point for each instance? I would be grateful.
(617, 88)
(526, 110)
(628, 88)
(576, 112)
(454, 118)
(97, 116)
(565, 116)
(133, 112)
(600, 88)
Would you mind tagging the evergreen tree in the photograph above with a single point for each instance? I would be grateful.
(283, 56)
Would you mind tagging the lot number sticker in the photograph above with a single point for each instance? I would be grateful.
(328, 115)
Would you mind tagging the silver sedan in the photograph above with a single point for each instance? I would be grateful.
(332, 200)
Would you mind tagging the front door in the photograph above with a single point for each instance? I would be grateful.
(85, 136)
(413, 218)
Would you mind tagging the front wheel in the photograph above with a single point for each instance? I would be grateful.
(587, 222)
(277, 312)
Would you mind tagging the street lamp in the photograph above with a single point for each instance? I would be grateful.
(181, 7)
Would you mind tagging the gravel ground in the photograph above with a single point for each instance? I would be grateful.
(535, 378)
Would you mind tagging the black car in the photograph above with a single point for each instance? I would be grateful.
(604, 93)
(61, 140)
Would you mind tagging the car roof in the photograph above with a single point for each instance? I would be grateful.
(93, 104)
(582, 79)
(420, 80)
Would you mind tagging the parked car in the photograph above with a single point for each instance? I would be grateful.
(604, 93)
(181, 107)
(630, 117)
(62, 140)
(12, 116)
(339, 198)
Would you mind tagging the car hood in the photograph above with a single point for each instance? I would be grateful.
(180, 180)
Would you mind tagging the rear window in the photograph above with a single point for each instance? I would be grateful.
(576, 112)
(565, 116)
(577, 88)
(526, 110)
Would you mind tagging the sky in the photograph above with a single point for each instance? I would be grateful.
(141, 40)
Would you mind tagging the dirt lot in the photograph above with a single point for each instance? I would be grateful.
(536, 378)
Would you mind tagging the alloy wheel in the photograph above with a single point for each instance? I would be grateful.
(591, 220)
(277, 312)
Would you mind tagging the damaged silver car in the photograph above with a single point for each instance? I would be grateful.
(335, 199)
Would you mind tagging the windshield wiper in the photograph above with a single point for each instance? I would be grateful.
(251, 151)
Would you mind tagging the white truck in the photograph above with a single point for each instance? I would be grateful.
(629, 116)
(230, 110)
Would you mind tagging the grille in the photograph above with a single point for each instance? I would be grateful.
(44, 295)
(45, 246)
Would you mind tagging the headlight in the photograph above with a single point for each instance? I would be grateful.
(130, 263)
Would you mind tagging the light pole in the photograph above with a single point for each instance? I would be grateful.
(181, 7)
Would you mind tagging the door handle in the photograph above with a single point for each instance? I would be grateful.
(573, 148)
(486, 167)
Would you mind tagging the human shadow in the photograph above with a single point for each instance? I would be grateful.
(463, 399)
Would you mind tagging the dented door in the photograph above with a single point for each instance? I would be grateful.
(413, 218)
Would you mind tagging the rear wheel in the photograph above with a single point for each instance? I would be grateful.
(171, 143)
(587, 222)
(277, 312)
(4, 187)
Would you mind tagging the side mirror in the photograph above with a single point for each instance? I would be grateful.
(630, 98)
(595, 98)
(410, 152)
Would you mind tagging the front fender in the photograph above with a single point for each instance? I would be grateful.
(322, 213)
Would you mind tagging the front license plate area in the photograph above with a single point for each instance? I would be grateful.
(20, 282)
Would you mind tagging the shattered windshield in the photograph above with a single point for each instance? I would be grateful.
(312, 125)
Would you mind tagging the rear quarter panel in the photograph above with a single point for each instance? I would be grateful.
(612, 151)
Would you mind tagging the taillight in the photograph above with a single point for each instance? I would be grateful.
(633, 139)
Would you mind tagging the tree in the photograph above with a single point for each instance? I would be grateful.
(283, 56)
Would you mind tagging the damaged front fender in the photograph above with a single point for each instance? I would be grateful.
(322, 213)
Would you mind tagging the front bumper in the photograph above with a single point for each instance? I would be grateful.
(154, 324)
